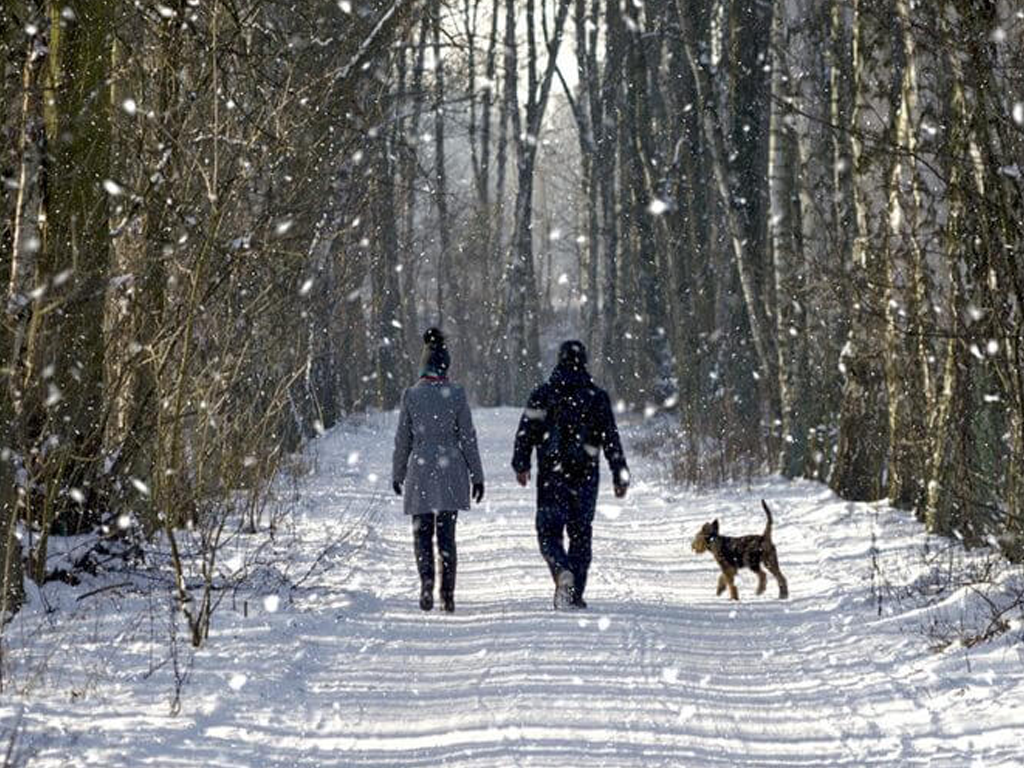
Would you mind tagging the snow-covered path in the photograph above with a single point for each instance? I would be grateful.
(658, 672)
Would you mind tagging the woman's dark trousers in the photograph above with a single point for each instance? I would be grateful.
(423, 528)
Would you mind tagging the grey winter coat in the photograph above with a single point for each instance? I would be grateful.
(436, 454)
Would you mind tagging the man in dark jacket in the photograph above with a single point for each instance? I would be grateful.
(568, 419)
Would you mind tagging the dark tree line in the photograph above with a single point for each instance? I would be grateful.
(192, 193)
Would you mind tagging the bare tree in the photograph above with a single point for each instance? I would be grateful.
(522, 311)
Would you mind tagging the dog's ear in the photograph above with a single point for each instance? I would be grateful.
(714, 526)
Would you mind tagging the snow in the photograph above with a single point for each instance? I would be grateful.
(322, 656)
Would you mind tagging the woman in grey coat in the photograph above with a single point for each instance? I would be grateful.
(435, 459)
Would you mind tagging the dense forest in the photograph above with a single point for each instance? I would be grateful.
(789, 229)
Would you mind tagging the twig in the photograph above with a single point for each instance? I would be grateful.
(103, 589)
(14, 737)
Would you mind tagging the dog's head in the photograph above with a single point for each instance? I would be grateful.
(707, 534)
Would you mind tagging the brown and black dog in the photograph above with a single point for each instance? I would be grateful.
(735, 552)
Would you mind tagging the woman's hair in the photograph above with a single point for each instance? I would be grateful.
(433, 337)
(436, 359)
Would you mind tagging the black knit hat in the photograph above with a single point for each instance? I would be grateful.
(435, 360)
(573, 354)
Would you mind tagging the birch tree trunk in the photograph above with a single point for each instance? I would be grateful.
(907, 374)
(857, 472)
(784, 224)
(20, 320)
(949, 486)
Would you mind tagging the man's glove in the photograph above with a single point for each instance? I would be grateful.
(621, 483)
(397, 486)
(478, 492)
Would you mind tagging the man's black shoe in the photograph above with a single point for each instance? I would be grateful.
(563, 591)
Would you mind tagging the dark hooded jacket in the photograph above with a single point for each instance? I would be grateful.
(571, 390)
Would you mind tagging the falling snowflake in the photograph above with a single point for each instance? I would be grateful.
(657, 207)
(53, 396)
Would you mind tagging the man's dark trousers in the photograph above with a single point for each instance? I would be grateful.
(566, 509)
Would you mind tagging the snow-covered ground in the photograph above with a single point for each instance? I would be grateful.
(328, 660)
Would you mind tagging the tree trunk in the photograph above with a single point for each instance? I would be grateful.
(950, 485)
(444, 220)
(523, 306)
(390, 356)
(606, 119)
(412, 251)
(785, 222)
(906, 365)
(27, 242)
(640, 148)
(745, 261)
(857, 472)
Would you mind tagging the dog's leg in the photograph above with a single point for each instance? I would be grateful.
(783, 585)
(762, 580)
(721, 584)
(730, 577)
(771, 560)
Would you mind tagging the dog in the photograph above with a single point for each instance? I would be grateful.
(735, 552)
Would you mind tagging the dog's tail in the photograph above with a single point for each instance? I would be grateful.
(768, 525)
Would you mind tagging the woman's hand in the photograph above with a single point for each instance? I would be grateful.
(478, 492)
(397, 486)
